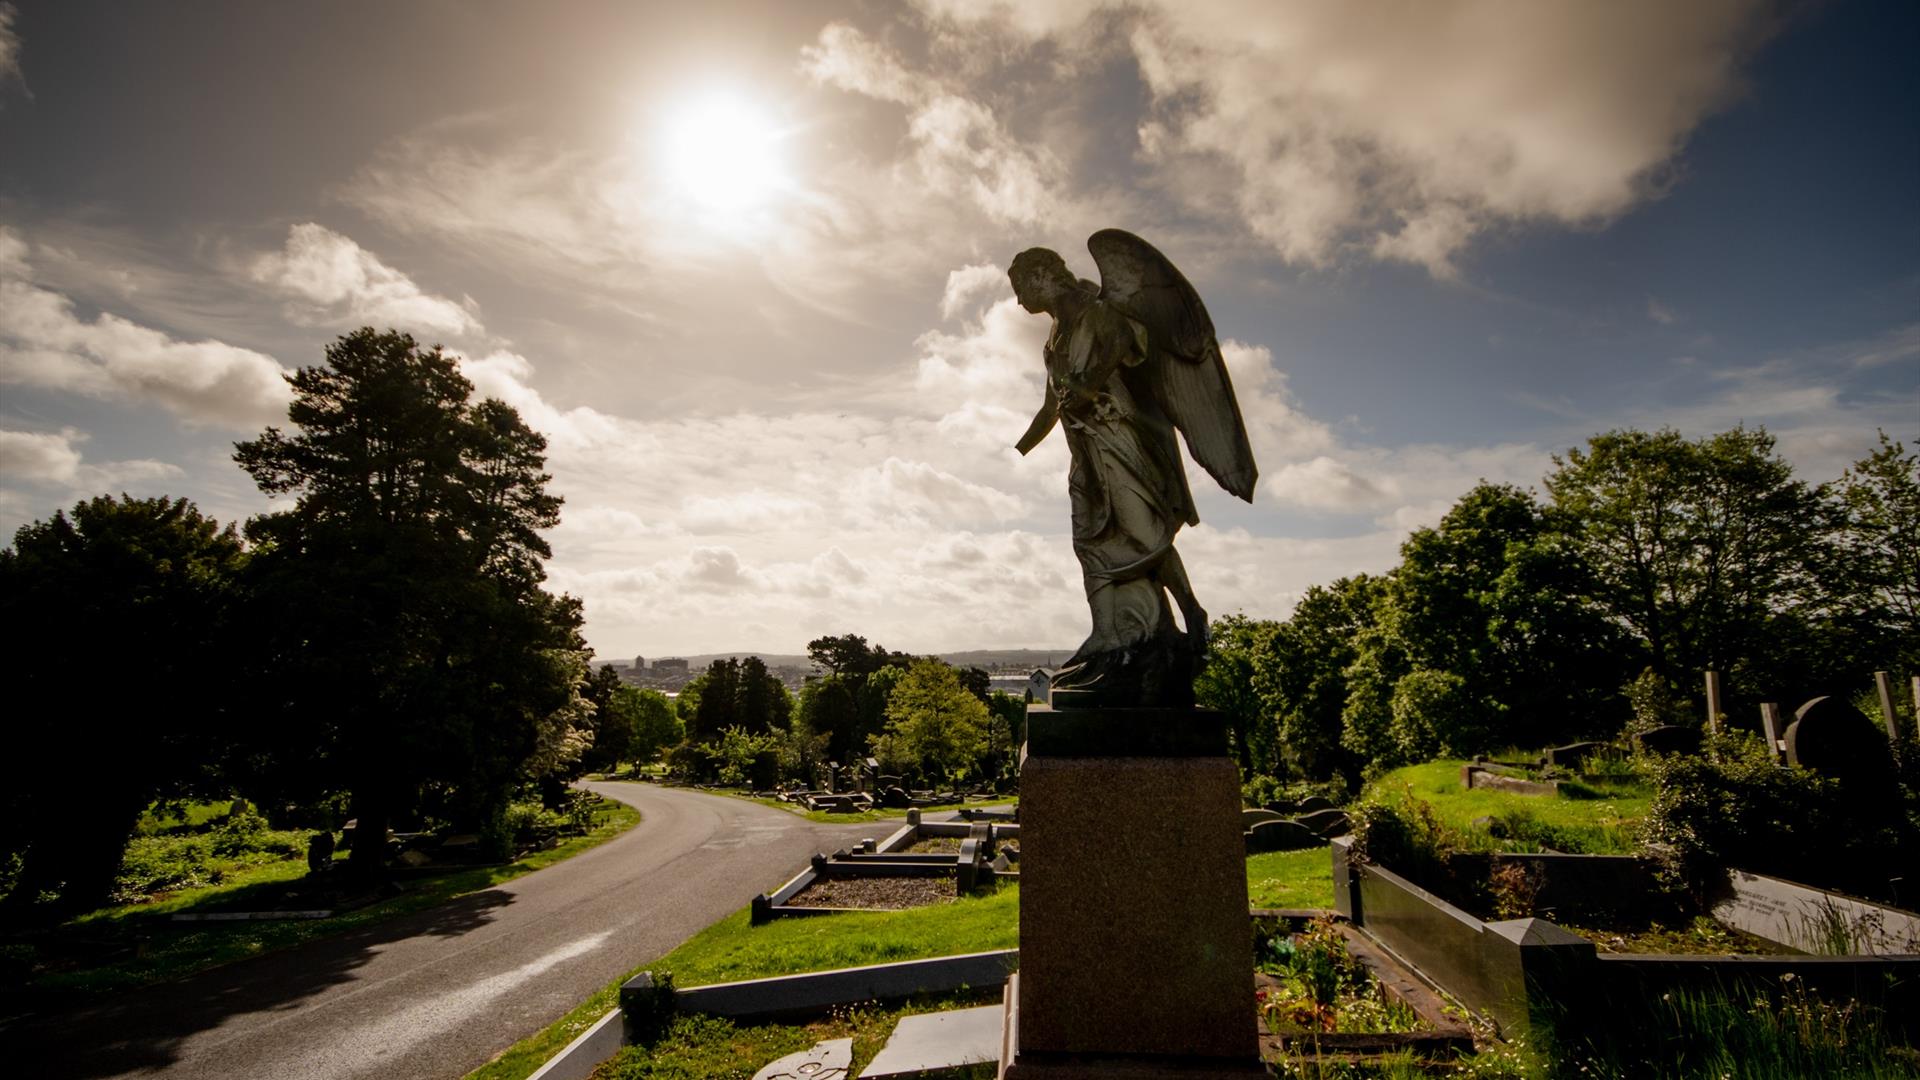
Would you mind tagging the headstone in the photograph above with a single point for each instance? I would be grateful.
(1571, 755)
(1713, 701)
(1830, 736)
(829, 1060)
(1326, 823)
(895, 798)
(1281, 836)
(1250, 818)
(1311, 803)
(933, 1043)
(1669, 739)
(1883, 685)
(1772, 729)
(319, 853)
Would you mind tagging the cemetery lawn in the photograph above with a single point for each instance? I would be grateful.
(1291, 879)
(1607, 825)
(173, 950)
(710, 1046)
(732, 949)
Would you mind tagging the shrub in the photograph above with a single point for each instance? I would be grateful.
(1732, 806)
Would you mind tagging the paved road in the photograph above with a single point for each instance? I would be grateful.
(438, 993)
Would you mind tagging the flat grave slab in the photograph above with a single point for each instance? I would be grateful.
(932, 1042)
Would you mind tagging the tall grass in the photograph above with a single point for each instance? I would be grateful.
(1737, 1034)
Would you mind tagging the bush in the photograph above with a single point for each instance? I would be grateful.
(1732, 806)
(1270, 792)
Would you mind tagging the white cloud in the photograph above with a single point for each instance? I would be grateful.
(968, 284)
(10, 47)
(1402, 133)
(53, 459)
(1660, 312)
(330, 279)
(44, 343)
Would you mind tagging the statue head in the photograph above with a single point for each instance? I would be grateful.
(1039, 275)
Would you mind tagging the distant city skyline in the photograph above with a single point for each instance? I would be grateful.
(751, 282)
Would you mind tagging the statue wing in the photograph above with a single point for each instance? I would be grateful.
(1186, 371)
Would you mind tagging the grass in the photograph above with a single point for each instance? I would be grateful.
(732, 949)
(167, 950)
(1291, 879)
(861, 815)
(1607, 825)
(700, 1047)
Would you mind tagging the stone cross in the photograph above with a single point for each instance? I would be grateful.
(1770, 724)
(1884, 684)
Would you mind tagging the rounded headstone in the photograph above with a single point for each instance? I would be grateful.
(1281, 836)
(1830, 736)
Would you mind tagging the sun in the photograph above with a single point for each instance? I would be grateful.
(723, 152)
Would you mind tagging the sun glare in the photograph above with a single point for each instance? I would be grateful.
(723, 152)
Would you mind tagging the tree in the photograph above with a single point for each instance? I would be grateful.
(1879, 545)
(848, 702)
(118, 626)
(425, 647)
(1707, 552)
(936, 722)
(1497, 596)
(615, 720)
(1226, 685)
(738, 692)
(656, 727)
(1300, 675)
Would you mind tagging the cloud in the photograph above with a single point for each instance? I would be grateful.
(960, 146)
(44, 343)
(1334, 127)
(10, 50)
(53, 459)
(330, 279)
(967, 284)
(1660, 312)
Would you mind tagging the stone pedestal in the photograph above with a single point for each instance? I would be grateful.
(1136, 950)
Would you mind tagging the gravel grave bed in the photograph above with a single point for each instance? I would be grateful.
(936, 845)
(877, 892)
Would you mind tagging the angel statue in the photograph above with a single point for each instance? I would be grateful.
(1129, 361)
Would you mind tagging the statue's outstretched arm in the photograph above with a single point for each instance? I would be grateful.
(1043, 422)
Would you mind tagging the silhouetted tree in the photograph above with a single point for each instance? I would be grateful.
(118, 654)
(417, 642)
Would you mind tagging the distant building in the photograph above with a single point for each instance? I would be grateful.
(669, 665)
(1040, 686)
(639, 663)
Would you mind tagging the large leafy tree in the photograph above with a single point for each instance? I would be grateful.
(1708, 552)
(738, 692)
(1301, 676)
(408, 637)
(936, 722)
(848, 702)
(119, 656)
(1496, 596)
(1879, 553)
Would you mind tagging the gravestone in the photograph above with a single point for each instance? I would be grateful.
(829, 1060)
(1830, 736)
(1669, 739)
(1250, 818)
(1326, 823)
(895, 797)
(1285, 835)
(1312, 803)
(1571, 755)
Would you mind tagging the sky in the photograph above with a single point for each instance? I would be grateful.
(744, 264)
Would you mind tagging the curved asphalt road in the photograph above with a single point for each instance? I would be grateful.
(438, 993)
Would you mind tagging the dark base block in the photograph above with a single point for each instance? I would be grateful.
(1136, 947)
(1040, 1065)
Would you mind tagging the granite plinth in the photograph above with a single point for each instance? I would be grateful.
(1136, 948)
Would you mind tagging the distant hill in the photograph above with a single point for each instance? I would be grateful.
(986, 658)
